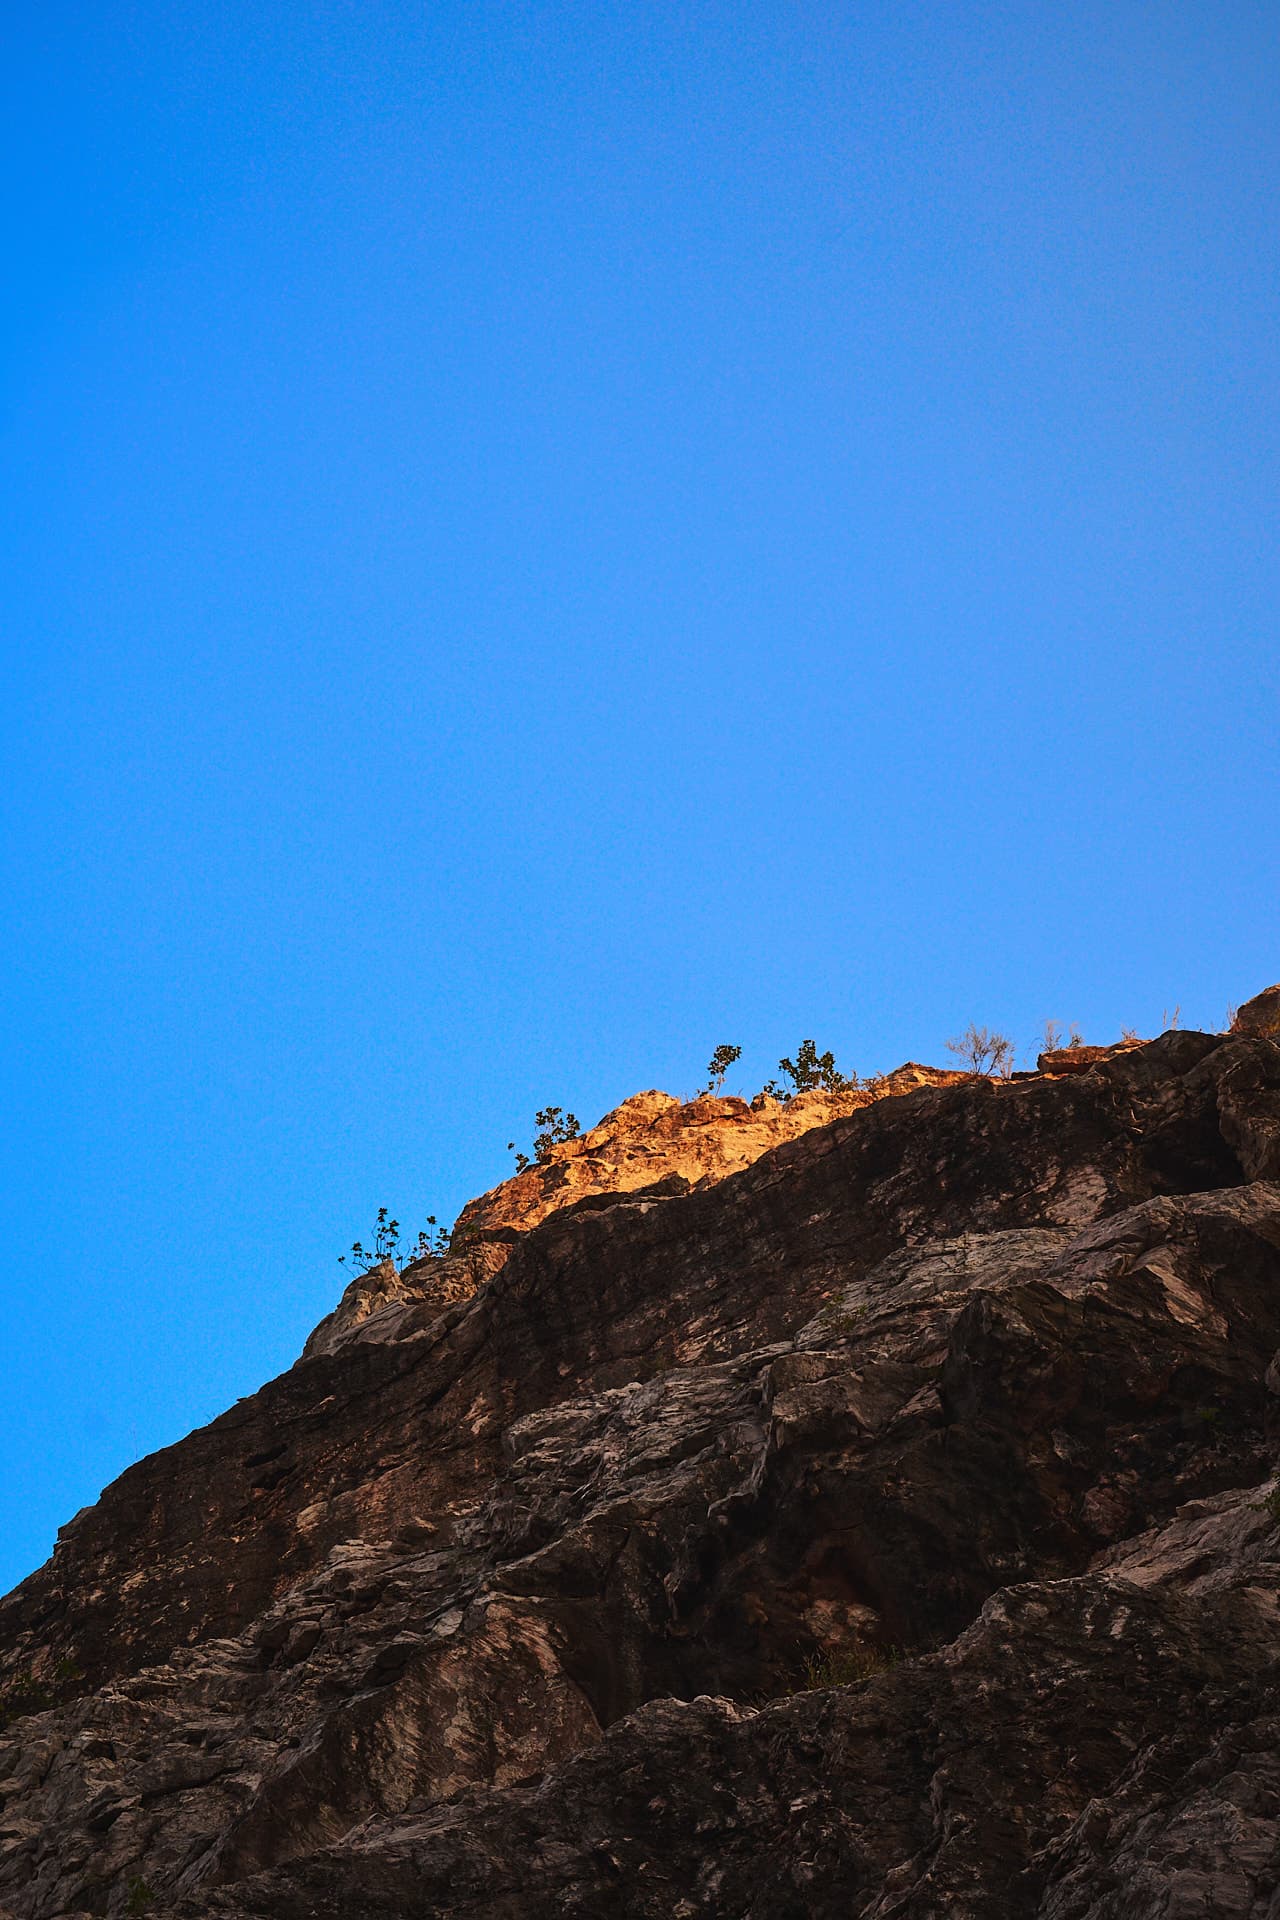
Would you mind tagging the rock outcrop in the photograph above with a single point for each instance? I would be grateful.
(1080, 1059)
(885, 1524)
(651, 1143)
(1260, 1016)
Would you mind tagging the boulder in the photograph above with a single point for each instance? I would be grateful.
(1259, 1017)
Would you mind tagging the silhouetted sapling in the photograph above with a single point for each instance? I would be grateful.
(717, 1067)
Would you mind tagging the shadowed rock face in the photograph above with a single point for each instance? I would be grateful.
(883, 1528)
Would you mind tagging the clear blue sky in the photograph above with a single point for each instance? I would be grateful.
(539, 538)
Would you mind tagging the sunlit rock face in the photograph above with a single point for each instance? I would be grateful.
(873, 1516)
(651, 1142)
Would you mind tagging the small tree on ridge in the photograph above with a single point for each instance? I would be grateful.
(718, 1065)
(809, 1070)
(554, 1126)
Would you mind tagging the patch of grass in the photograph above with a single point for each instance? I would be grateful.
(23, 1696)
(845, 1319)
(845, 1667)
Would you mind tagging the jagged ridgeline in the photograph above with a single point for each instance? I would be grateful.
(859, 1504)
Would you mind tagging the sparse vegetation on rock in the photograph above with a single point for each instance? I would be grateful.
(1050, 1041)
(24, 1694)
(981, 1050)
(386, 1249)
(430, 1245)
(845, 1667)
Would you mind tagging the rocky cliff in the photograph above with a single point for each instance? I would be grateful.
(872, 1517)
(651, 1144)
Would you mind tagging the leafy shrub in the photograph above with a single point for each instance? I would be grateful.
(555, 1125)
(845, 1667)
(809, 1070)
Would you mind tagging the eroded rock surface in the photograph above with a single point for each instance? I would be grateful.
(887, 1526)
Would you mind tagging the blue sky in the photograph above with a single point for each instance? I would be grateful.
(541, 538)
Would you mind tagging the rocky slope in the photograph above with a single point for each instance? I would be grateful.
(880, 1523)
